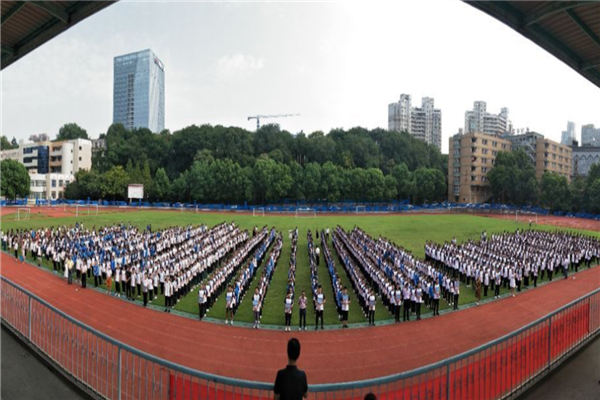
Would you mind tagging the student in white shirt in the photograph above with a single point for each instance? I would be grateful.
(201, 302)
(288, 308)
(371, 300)
(256, 308)
(320, 307)
(229, 304)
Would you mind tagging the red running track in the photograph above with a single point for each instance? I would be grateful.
(327, 356)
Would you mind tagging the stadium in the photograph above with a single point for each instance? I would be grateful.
(134, 294)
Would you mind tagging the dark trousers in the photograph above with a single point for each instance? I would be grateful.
(535, 281)
(302, 323)
(397, 312)
(418, 311)
(436, 306)
(118, 287)
(95, 280)
(485, 289)
(139, 289)
(371, 317)
(83, 282)
(288, 319)
(145, 299)
(550, 276)
(406, 314)
(319, 314)
(69, 277)
(201, 310)
(497, 290)
(456, 302)
(162, 288)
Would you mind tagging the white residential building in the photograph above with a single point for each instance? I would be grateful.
(568, 136)
(590, 135)
(424, 123)
(479, 120)
(51, 165)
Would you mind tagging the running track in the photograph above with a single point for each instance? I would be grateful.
(327, 356)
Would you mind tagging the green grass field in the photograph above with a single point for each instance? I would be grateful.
(409, 231)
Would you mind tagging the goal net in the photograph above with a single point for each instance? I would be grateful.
(526, 217)
(360, 209)
(306, 213)
(258, 212)
(23, 214)
(86, 209)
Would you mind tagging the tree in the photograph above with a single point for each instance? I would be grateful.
(5, 144)
(15, 180)
(114, 184)
(161, 186)
(390, 188)
(180, 189)
(71, 131)
(405, 182)
(513, 178)
(331, 182)
(374, 185)
(430, 185)
(312, 181)
(577, 194)
(594, 197)
(555, 192)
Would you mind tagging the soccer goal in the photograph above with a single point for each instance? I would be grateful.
(23, 214)
(526, 217)
(306, 213)
(80, 209)
(360, 209)
(258, 212)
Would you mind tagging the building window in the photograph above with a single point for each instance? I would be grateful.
(495, 144)
(79, 147)
(53, 182)
(79, 158)
(473, 178)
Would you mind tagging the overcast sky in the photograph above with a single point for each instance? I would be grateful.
(337, 64)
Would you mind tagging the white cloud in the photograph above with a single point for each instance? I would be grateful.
(238, 66)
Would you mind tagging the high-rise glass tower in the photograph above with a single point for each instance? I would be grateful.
(139, 91)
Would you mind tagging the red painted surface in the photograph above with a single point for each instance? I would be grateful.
(327, 356)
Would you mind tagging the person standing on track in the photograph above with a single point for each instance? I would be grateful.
(302, 300)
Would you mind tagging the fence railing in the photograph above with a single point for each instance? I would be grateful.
(114, 370)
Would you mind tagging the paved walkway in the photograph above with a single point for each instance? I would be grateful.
(327, 356)
(24, 376)
(576, 379)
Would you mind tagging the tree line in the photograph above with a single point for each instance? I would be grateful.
(217, 164)
(513, 181)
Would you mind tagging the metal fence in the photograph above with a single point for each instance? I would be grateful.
(114, 370)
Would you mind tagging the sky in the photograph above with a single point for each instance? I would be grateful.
(337, 64)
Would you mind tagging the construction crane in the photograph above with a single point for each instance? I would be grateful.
(258, 117)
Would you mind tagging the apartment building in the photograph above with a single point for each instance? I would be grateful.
(51, 165)
(424, 123)
(553, 157)
(472, 156)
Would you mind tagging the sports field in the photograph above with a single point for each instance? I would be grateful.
(409, 231)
